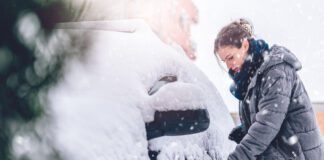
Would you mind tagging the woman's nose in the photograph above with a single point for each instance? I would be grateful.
(229, 65)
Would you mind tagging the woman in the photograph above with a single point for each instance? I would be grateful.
(277, 118)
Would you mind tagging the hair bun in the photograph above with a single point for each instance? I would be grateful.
(247, 26)
(233, 34)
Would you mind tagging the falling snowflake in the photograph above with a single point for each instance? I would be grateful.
(292, 140)
(264, 112)
(295, 100)
(192, 127)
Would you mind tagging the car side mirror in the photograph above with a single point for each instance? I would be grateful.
(175, 123)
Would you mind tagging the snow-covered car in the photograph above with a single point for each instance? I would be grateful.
(102, 107)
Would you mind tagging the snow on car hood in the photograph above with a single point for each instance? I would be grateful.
(101, 105)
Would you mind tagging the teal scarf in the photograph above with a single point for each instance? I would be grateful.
(243, 78)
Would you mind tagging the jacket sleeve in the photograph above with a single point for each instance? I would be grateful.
(275, 89)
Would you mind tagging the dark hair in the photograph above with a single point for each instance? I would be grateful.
(233, 34)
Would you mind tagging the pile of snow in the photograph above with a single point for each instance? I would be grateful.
(101, 105)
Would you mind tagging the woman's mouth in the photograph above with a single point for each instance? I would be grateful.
(236, 69)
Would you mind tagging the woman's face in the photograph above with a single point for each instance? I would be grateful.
(234, 57)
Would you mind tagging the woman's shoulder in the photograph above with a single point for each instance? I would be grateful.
(279, 55)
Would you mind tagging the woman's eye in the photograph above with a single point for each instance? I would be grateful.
(230, 58)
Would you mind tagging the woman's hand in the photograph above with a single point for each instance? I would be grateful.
(236, 134)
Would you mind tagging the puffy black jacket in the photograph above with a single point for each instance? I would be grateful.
(277, 113)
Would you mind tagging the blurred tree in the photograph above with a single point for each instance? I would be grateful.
(24, 72)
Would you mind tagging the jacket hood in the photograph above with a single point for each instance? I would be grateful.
(279, 54)
(276, 55)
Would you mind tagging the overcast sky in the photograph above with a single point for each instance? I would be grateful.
(295, 24)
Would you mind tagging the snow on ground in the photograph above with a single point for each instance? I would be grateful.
(101, 105)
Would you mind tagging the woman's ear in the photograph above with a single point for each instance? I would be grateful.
(245, 45)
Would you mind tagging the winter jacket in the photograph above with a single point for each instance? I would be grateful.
(277, 114)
